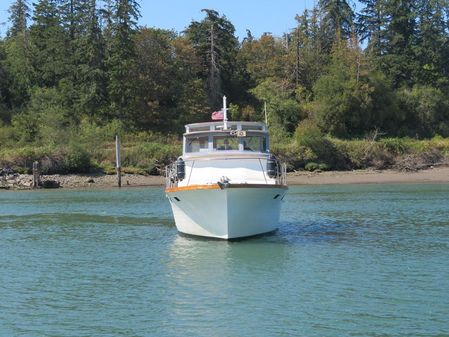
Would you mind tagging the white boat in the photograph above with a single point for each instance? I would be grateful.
(226, 184)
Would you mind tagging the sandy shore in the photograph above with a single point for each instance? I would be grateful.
(433, 175)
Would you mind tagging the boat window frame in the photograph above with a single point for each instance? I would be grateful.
(223, 133)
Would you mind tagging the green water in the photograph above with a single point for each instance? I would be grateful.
(355, 260)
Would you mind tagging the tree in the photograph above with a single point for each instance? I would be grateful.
(49, 44)
(19, 13)
(352, 99)
(284, 112)
(214, 41)
(336, 21)
(122, 27)
(306, 56)
(85, 86)
(427, 111)
(371, 25)
(18, 58)
(399, 59)
(4, 92)
(263, 58)
(432, 45)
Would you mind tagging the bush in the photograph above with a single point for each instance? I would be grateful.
(323, 167)
(311, 167)
(76, 160)
(360, 154)
(394, 145)
(309, 135)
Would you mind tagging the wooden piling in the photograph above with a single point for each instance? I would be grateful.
(118, 164)
(35, 174)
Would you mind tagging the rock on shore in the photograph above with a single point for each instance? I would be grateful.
(25, 181)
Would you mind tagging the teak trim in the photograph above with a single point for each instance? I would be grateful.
(216, 187)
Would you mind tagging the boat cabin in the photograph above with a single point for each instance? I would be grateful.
(215, 137)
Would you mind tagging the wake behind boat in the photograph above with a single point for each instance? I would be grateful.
(226, 184)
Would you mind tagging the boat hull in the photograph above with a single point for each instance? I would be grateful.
(228, 213)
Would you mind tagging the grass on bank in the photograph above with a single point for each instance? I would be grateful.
(92, 149)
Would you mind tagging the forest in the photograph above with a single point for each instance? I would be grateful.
(344, 89)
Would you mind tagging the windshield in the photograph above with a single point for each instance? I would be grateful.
(255, 143)
(226, 142)
(197, 144)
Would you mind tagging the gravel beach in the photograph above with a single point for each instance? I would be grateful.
(431, 175)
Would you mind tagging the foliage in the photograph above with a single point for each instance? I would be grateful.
(214, 42)
(76, 160)
(77, 73)
(282, 108)
(312, 166)
(427, 110)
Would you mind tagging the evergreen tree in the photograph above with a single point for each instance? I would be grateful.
(19, 13)
(18, 55)
(49, 44)
(307, 58)
(5, 109)
(371, 24)
(122, 16)
(214, 40)
(85, 83)
(336, 21)
(432, 45)
(399, 59)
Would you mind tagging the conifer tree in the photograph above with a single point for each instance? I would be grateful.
(432, 45)
(336, 21)
(18, 56)
(399, 60)
(49, 44)
(371, 25)
(121, 16)
(19, 13)
(213, 39)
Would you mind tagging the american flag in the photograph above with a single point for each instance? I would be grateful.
(217, 115)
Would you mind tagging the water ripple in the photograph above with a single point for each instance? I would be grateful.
(360, 260)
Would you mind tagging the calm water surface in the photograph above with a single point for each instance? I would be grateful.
(354, 260)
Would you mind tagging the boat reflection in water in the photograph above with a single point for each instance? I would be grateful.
(226, 184)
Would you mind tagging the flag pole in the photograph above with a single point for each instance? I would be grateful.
(265, 112)
(225, 115)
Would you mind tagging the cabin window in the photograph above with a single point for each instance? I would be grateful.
(255, 143)
(197, 144)
(226, 143)
(199, 128)
(252, 127)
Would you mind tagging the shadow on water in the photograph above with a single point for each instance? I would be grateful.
(242, 239)
(320, 231)
(292, 233)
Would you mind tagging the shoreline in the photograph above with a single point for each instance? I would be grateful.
(93, 181)
(430, 175)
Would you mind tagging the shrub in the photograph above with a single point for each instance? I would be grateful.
(394, 145)
(311, 166)
(323, 167)
(76, 160)
(309, 135)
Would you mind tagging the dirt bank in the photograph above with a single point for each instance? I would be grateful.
(432, 175)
